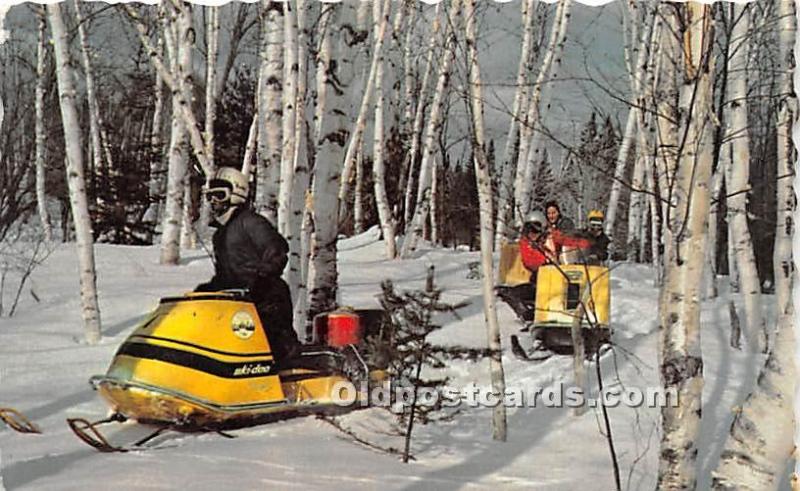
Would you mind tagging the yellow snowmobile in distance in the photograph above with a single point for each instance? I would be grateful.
(202, 362)
(560, 290)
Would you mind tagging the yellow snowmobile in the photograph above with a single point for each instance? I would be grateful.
(560, 290)
(202, 362)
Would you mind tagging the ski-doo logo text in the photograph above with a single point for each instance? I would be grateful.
(257, 369)
(243, 325)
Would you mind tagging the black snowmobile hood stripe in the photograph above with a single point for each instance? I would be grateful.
(228, 297)
(210, 350)
(248, 369)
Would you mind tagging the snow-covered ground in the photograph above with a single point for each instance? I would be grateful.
(44, 368)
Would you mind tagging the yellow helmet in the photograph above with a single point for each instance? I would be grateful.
(596, 215)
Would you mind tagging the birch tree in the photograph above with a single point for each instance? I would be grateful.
(385, 217)
(783, 263)
(484, 182)
(528, 147)
(96, 131)
(505, 190)
(434, 128)
(290, 100)
(681, 359)
(408, 171)
(642, 64)
(41, 197)
(739, 161)
(156, 185)
(75, 176)
(295, 276)
(334, 133)
(361, 120)
(269, 109)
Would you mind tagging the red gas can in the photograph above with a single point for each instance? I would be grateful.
(344, 327)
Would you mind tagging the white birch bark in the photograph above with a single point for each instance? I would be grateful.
(422, 207)
(636, 205)
(666, 89)
(91, 98)
(212, 34)
(710, 275)
(528, 148)
(681, 359)
(90, 310)
(269, 110)
(484, 183)
(361, 120)
(407, 177)
(505, 188)
(628, 139)
(41, 196)
(645, 43)
(435, 201)
(295, 274)
(385, 217)
(178, 158)
(783, 263)
(156, 184)
(289, 94)
(738, 133)
(327, 171)
(181, 86)
(250, 147)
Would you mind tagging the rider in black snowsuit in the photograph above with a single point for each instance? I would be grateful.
(250, 254)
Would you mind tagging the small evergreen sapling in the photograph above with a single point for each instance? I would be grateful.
(412, 359)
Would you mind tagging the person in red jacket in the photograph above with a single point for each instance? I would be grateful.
(538, 246)
(541, 245)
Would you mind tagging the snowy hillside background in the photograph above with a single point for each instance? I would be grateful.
(45, 368)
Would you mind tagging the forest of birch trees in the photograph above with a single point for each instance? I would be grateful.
(383, 114)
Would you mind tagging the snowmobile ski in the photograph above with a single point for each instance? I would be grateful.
(535, 355)
(89, 433)
(17, 421)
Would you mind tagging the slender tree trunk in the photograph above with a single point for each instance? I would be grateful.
(178, 158)
(681, 358)
(408, 172)
(528, 149)
(738, 133)
(288, 147)
(182, 86)
(250, 148)
(212, 45)
(295, 274)
(361, 120)
(435, 123)
(100, 144)
(327, 171)
(156, 185)
(269, 110)
(484, 183)
(41, 196)
(710, 276)
(505, 189)
(636, 206)
(783, 264)
(75, 177)
(378, 167)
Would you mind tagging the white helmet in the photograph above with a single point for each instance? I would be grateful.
(536, 219)
(229, 183)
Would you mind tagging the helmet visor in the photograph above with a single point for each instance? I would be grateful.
(532, 227)
(218, 194)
